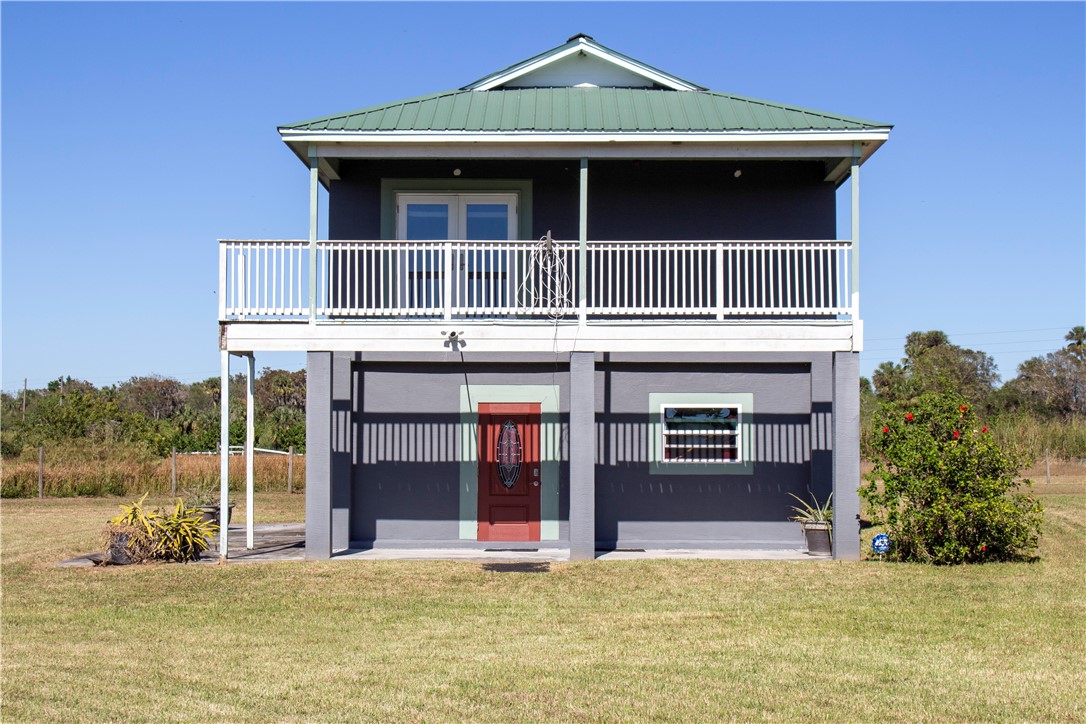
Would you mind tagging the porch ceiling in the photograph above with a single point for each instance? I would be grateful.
(834, 149)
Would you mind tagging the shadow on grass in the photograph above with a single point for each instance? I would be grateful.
(523, 567)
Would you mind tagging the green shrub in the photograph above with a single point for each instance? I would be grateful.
(941, 485)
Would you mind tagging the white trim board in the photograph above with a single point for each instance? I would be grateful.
(493, 336)
(325, 136)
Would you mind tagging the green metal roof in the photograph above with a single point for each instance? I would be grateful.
(616, 110)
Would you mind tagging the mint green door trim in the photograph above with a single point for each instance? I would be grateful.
(656, 438)
(550, 450)
(391, 186)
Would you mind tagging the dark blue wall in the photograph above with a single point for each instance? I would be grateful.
(628, 200)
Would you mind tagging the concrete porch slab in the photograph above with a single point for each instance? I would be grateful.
(286, 542)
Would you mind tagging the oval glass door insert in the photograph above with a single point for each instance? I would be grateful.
(509, 454)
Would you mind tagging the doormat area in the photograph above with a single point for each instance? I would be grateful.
(521, 567)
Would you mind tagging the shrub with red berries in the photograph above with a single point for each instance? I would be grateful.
(944, 489)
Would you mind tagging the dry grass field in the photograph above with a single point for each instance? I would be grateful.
(66, 475)
(407, 641)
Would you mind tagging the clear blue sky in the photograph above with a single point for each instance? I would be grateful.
(136, 135)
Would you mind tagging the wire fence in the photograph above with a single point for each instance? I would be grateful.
(184, 474)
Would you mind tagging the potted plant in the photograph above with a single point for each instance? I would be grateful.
(206, 500)
(816, 519)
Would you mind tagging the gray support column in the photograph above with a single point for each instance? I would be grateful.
(582, 456)
(342, 445)
(821, 483)
(318, 456)
(846, 455)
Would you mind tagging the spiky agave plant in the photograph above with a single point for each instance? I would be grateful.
(183, 534)
(813, 512)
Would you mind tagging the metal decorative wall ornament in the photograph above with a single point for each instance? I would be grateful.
(509, 454)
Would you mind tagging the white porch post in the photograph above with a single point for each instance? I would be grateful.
(314, 186)
(857, 324)
(224, 450)
(250, 374)
(582, 249)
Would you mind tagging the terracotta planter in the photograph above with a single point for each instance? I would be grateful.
(818, 539)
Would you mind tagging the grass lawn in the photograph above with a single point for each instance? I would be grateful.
(677, 640)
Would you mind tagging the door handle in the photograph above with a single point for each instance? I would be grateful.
(535, 483)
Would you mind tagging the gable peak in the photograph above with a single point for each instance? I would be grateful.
(581, 62)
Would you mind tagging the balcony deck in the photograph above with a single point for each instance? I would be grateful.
(537, 296)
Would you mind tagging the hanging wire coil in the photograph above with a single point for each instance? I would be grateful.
(546, 284)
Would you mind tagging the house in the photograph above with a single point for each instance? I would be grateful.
(579, 301)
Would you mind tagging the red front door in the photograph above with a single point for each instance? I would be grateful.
(509, 471)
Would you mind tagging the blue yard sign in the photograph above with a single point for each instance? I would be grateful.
(880, 543)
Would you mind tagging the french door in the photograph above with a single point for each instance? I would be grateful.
(480, 271)
(478, 217)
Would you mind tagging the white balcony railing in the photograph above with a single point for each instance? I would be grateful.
(383, 280)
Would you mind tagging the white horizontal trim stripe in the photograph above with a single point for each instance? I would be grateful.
(487, 337)
(358, 137)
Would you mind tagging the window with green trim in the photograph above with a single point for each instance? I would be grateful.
(701, 434)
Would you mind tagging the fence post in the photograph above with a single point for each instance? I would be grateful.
(41, 471)
(290, 470)
(173, 471)
(1048, 469)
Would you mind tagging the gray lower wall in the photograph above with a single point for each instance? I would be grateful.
(405, 482)
(637, 509)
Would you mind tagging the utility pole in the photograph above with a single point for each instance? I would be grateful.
(24, 398)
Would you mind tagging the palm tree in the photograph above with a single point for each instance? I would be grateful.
(1076, 342)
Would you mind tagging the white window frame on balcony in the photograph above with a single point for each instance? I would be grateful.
(743, 403)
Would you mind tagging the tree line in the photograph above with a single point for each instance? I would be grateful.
(153, 414)
(1047, 397)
